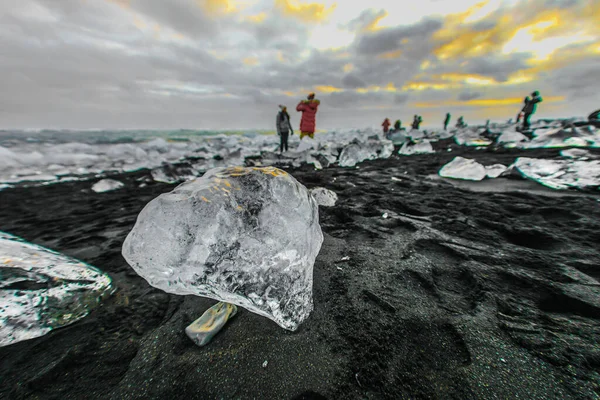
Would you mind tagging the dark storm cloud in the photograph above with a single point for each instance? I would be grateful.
(578, 81)
(401, 98)
(390, 39)
(353, 100)
(468, 95)
(351, 81)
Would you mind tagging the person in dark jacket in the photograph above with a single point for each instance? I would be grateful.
(419, 121)
(284, 127)
(397, 125)
(447, 121)
(530, 109)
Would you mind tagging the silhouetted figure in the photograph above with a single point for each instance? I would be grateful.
(460, 123)
(530, 109)
(397, 125)
(447, 121)
(522, 112)
(386, 125)
(284, 126)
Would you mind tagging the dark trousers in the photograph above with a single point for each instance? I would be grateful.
(526, 122)
(283, 141)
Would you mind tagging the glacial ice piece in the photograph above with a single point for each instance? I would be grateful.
(169, 173)
(422, 147)
(324, 197)
(509, 137)
(463, 168)
(246, 236)
(370, 149)
(579, 154)
(202, 330)
(494, 171)
(560, 174)
(470, 137)
(41, 290)
(106, 185)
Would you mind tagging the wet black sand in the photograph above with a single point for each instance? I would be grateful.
(461, 293)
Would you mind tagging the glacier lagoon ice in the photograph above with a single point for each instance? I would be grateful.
(324, 197)
(420, 147)
(36, 162)
(41, 290)
(463, 168)
(107, 185)
(246, 236)
(370, 149)
(560, 174)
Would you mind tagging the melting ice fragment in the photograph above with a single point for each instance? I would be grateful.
(422, 147)
(463, 168)
(371, 149)
(106, 185)
(246, 236)
(41, 290)
(324, 197)
(560, 174)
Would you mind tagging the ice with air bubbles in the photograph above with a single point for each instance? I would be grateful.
(246, 236)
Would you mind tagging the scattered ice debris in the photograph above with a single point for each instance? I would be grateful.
(324, 197)
(345, 258)
(264, 365)
(422, 147)
(106, 185)
(384, 216)
(463, 168)
(339, 269)
(560, 174)
(246, 236)
(510, 136)
(371, 149)
(202, 330)
(471, 137)
(398, 138)
(41, 290)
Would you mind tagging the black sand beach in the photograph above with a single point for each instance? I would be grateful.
(485, 290)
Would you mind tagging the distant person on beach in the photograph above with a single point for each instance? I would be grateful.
(419, 120)
(522, 112)
(308, 108)
(397, 125)
(386, 125)
(460, 123)
(530, 109)
(284, 127)
(594, 118)
(447, 121)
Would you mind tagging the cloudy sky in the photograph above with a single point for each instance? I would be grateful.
(227, 64)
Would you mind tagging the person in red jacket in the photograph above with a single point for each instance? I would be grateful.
(386, 125)
(309, 112)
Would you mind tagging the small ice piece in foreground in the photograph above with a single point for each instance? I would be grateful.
(202, 330)
(324, 197)
(246, 236)
(463, 168)
(106, 185)
(264, 365)
(384, 216)
(41, 290)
